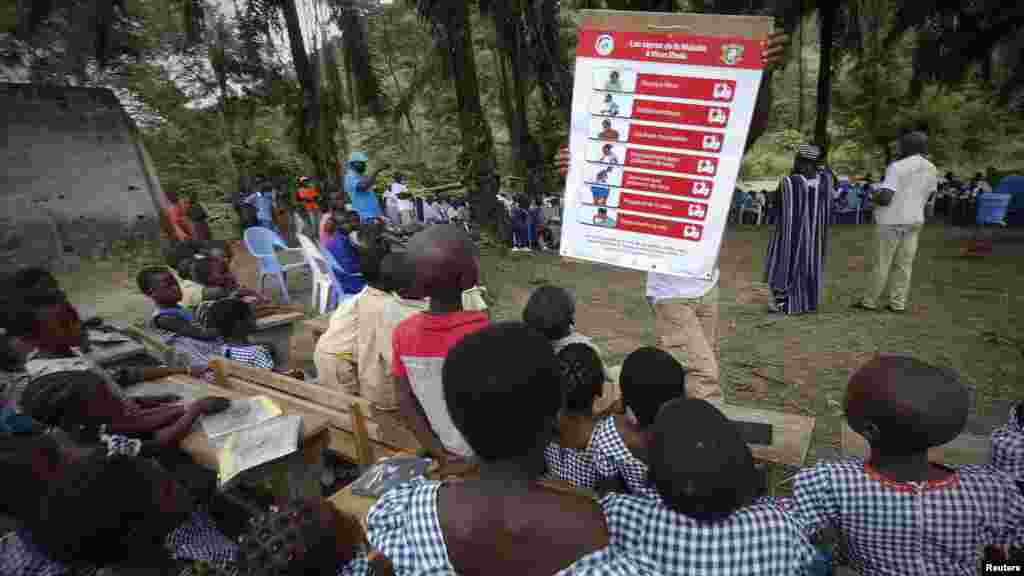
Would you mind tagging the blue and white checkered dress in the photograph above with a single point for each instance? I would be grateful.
(760, 539)
(938, 527)
(196, 540)
(1008, 447)
(255, 355)
(404, 526)
(612, 459)
(570, 465)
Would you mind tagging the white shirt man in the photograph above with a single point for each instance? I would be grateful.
(911, 181)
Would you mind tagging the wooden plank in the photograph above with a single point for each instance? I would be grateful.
(791, 433)
(965, 449)
(313, 392)
(275, 320)
(383, 432)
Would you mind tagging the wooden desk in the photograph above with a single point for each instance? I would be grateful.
(965, 449)
(791, 433)
(276, 331)
(302, 470)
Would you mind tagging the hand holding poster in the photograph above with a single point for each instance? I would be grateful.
(660, 118)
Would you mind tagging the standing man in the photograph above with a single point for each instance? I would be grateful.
(309, 197)
(899, 216)
(360, 188)
(391, 199)
(264, 203)
(794, 268)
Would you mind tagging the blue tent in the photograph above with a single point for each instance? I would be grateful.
(1014, 186)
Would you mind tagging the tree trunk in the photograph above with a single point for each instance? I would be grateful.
(304, 72)
(478, 158)
(800, 75)
(828, 23)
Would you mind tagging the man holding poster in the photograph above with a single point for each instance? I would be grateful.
(680, 164)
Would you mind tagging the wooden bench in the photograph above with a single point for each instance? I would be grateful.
(357, 429)
(303, 469)
(791, 433)
(965, 449)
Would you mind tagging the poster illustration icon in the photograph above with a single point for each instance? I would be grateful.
(697, 211)
(722, 91)
(701, 189)
(605, 44)
(732, 54)
(712, 142)
(706, 167)
(691, 232)
(716, 116)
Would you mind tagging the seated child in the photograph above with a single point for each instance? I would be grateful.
(582, 381)
(234, 319)
(618, 447)
(704, 516)
(118, 512)
(897, 512)
(503, 522)
(552, 312)
(307, 538)
(444, 264)
(345, 254)
(217, 281)
(354, 354)
(48, 327)
(162, 288)
(179, 259)
(81, 404)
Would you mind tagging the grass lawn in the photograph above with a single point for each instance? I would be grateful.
(964, 314)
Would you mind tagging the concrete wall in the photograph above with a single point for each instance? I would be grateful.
(73, 182)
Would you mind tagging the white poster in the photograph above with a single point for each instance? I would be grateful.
(659, 126)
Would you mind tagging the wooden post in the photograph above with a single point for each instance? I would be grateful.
(220, 372)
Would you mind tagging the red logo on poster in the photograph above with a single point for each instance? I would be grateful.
(605, 44)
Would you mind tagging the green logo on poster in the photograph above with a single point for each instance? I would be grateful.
(605, 44)
(732, 54)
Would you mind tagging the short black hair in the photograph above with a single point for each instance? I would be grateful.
(289, 541)
(502, 388)
(551, 311)
(582, 377)
(699, 463)
(396, 274)
(144, 279)
(23, 311)
(102, 511)
(200, 270)
(231, 317)
(59, 399)
(913, 405)
(179, 257)
(650, 377)
(33, 278)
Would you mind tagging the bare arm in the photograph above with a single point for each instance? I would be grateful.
(146, 421)
(171, 436)
(412, 414)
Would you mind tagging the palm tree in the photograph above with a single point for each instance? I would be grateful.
(450, 22)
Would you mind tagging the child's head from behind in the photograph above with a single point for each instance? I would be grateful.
(107, 511)
(650, 377)
(34, 278)
(232, 318)
(444, 262)
(160, 285)
(502, 388)
(699, 463)
(78, 402)
(46, 320)
(396, 275)
(904, 406)
(211, 271)
(582, 377)
(303, 538)
(551, 311)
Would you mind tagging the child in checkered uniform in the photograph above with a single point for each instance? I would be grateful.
(897, 513)
(233, 319)
(582, 379)
(104, 511)
(504, 522)
(650, 377)
(706, 515)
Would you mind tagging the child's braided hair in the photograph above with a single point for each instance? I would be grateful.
(582, 377)
(302, 538)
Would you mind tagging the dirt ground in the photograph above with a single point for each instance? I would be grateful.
(964, 314)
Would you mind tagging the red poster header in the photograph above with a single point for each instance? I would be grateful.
(675, 138)
(663, 206)
(700, 189)
(659, 227)
(677, 113)
(682, 87)
(675, 48)
(669, 162)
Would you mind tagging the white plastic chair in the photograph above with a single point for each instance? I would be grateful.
(754, 208)
(323, 280)
(261, 243)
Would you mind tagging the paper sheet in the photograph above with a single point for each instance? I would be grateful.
(243, 413)
(251, 447)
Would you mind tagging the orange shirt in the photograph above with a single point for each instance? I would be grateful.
(309, 196)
